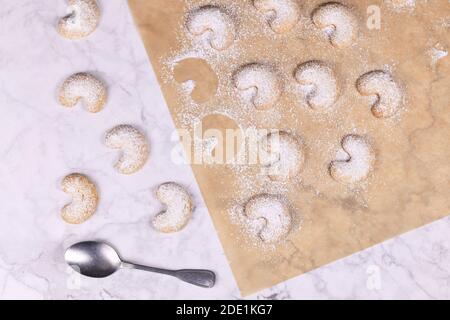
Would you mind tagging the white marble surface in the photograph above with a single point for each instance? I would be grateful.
(41, 142)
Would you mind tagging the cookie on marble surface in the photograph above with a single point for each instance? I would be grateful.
(133, 145)
(83, 87)
(82, 19)
(84, 198)
(179, 207)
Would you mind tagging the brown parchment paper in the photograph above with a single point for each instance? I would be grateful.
(410, 185)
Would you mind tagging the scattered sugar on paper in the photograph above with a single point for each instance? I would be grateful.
(437, 53)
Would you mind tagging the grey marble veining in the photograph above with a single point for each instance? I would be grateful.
(41, 142)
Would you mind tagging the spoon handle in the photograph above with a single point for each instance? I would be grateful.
(198, 277)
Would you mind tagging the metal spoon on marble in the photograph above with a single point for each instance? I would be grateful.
(98, 260)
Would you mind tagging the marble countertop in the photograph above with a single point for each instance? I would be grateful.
(41, 142)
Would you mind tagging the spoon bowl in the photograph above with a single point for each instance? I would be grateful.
(99, 260)
(93, 259)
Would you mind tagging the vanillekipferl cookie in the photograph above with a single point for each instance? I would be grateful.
(133, 146)
(285, 156)
(338, 22)
(179, 207)
(214, 23)
(258, 84)
(273, 212)
(82, 19)
(388, 93)
(318, 83)
(84, 198)
(86, 88)
(282, 15)
(357, 159)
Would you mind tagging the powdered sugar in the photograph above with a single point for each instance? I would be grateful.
(401, 5)
(188, 86)
(437, 53)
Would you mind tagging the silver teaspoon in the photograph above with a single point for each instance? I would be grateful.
(98, 260)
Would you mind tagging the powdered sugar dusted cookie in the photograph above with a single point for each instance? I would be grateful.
(337, 21)
(388, 93)
(285, 156)
(133, 145)
(179, 208)
(275, 215)
(357, 162)
(83, 86)
(215, 22)
(82, 19)
(283, 15)
(84, 198)
(319, 84)
(258, 84)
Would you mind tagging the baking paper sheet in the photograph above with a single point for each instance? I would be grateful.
(410, 185)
